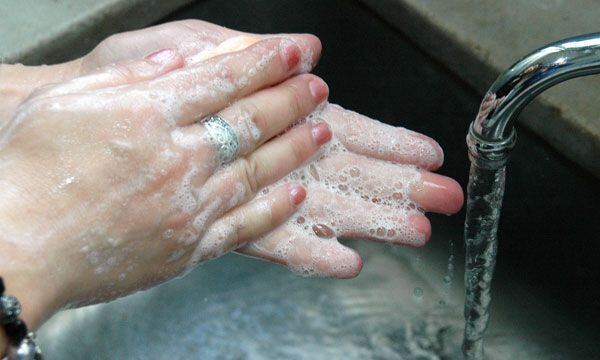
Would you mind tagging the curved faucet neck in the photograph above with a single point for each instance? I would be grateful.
(491, 135)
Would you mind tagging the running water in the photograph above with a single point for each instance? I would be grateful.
(485, 192)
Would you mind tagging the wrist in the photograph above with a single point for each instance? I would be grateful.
(24, 265)
(37, 298)
(27, 281)
(31, 270)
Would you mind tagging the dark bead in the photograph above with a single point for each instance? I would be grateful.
(16, 331)
(1, 286)
(9, 309)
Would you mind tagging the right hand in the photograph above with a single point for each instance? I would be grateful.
(110, 185)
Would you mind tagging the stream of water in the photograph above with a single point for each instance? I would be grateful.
(485, 193)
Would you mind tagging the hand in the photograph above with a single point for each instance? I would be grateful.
(109, 185)
(188, 38)
(195, 40)
(361, 142)
(370, 182)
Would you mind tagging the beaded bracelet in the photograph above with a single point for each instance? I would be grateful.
(22, 344)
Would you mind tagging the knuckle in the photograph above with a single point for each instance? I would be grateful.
(226, 70)
(295, 99)
(122, 71)
(249, 172)
(193, 24)
(42, 106)
(299, 148)
(236, 236)
(43, 90)
(111, 41)
(256, 115)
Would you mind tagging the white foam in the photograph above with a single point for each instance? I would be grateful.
(370, 201)
(190, 140)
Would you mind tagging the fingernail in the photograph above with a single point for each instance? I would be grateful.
(161, 57)
(321, 133)
(433, 153)
(421, 224)
(318, 89)
(297, 194)
(291, 54)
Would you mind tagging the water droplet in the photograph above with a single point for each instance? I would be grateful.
(418, 292)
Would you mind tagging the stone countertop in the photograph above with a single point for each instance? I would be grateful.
(478, 39)
(48, 31)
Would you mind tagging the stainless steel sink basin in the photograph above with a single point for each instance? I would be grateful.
(400, 307)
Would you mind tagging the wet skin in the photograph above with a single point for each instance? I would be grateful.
(140, 232)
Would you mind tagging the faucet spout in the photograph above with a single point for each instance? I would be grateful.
(492, 135)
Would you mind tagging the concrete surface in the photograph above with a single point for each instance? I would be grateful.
(48, 31)
(478, 39)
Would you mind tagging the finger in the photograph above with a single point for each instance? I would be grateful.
(270, 162)
(201, 40)
(327, 215)
(187, 37)
(310, 47)
(191, 38)
(232, 44)
(351, 175)
(264, 114)
(248, 222)
(372, 138)
(192, 93)
(260, 116)
(437, 193)
(306, 255)
(127, 72)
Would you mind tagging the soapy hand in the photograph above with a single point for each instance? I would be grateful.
(373, 181)
(193, 40)
(110, 185)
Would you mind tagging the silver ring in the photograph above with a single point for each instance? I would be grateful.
(223, 137)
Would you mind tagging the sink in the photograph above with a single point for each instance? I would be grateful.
(407, 303)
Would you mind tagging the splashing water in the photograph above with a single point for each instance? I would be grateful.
(485, 192)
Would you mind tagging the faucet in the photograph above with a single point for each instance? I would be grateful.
(491, 137)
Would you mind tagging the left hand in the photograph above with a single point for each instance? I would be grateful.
(188, 38)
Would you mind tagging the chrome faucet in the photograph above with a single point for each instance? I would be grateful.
(491, 137)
